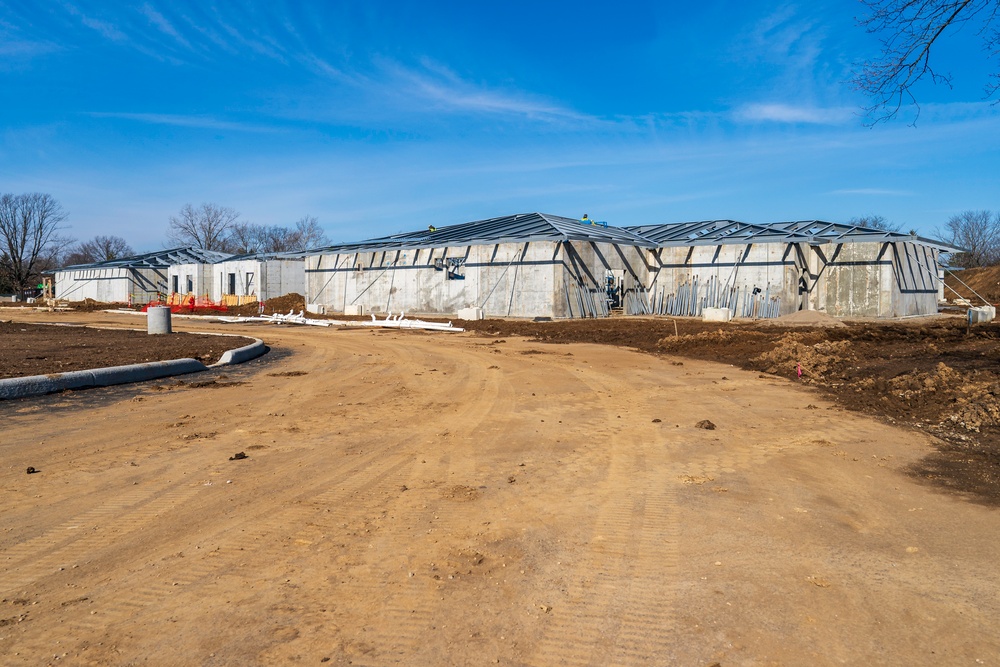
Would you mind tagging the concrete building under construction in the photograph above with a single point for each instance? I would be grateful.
(539, 265)
(137, 279)
(768, 270)
(526, 265)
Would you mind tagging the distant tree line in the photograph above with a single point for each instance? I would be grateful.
(214, 227)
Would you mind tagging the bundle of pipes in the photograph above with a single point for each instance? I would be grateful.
(390, 322)
(636, 302)
(691, 297)
(588, 302)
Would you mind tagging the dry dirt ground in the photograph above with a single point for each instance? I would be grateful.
(34, 349)
(426, 499)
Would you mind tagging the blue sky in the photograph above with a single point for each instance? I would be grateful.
(380, 117)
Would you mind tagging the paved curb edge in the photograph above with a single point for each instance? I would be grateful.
(39, 385)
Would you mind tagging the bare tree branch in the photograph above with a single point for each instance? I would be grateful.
(99, 249)
(874, 222)
(910, 29)
(308, 234)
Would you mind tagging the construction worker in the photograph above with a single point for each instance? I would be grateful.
(431, 228)
(587, 221)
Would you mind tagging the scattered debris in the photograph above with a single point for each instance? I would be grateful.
(238, 456)
(32, 470)
(705, 424)
(390, 322)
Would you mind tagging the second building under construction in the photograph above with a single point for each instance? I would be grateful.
(539, 265)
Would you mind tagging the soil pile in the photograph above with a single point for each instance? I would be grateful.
(805, 318)
(985, 281)
(281, 304)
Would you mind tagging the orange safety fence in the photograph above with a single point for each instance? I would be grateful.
(181, 302)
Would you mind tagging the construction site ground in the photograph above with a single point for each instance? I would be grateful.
(567, 493)
(36, 349)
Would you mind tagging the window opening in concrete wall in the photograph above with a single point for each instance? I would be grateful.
(174, 281)
(232, 284)
(249, 283)
(189, 284)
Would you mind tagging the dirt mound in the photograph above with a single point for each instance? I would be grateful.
(985, 281)
(805, 318)
(281, 304)
(793, 353)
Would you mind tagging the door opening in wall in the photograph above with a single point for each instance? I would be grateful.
(613, 286)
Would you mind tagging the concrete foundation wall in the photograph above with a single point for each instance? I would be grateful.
(534, 279)
(266, 279)
(193, 279)
(505, 278)
(879, 280)
(854, 283)
(110, 285)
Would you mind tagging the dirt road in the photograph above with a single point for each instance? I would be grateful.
(427, 499)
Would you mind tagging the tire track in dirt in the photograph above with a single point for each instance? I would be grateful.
(409, 610)
(253, 539)
(57, 547)
(626, 610)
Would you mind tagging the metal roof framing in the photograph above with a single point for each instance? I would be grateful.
(520, 228)
(156, 260)
(813, 232)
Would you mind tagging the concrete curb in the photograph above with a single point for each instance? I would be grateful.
(39, 385)
(241, 354)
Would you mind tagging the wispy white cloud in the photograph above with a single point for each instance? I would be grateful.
(23, 48)
(785, 35)
(445, 90)
(876, 192)
(192, 121)
(787, 113)
(163, 25)
(105, 28)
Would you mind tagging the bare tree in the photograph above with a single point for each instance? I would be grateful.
(908, 30)
(29, 239)
(308, 234)
(874, 222)
(206, 227)
(98, 249)
(979, 233)
(247, 237)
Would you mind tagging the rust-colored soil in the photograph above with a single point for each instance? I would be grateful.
(36, 349)
(430, 499)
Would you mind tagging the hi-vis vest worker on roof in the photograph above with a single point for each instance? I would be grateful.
(585, 220)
